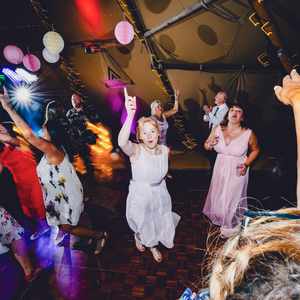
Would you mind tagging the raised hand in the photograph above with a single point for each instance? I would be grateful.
(289, 92)
(207, 109)
(177, 93)
(130, 103)
(4, 100)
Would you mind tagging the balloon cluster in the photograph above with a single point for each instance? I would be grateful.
(15, 55)
(54, 44)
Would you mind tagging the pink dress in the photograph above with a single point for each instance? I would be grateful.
(226, 199)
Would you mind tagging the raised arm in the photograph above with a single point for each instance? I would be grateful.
(174, 110)
(43, 145)
(289, 94)
(125, 144)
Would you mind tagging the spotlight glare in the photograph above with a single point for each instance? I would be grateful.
(26, 76)
(23, 94)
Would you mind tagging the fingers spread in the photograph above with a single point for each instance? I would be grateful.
(294, 75)
(277, 90)
(125, 92)
(286, 79)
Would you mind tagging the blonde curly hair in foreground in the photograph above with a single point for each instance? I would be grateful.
(261, 262)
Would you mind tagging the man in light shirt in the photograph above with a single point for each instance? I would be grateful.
(215, 115)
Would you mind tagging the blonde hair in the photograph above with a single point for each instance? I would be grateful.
(153, 106)
(260, 262)
(141, 122)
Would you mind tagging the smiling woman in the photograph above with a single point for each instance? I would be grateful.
(227, 196)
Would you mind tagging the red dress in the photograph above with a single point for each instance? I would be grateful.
(22, 165)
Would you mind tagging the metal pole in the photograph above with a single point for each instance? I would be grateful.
(203, 4)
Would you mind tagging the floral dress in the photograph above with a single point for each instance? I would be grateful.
(10, 230)
(62, 190)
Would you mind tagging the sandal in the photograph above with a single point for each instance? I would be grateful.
(156, 254)
(38, 234)
(138, 244)
(100, 243)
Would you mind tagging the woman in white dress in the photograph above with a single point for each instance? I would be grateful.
(62, 189)
(148, 208)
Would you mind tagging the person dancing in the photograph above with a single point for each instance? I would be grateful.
(22, 165)
(161, 116)
(62, 189)
(148, 208)
(227, 193)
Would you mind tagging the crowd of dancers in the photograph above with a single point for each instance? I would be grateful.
(51, 195)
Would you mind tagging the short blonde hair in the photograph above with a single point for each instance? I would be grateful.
(141, 122)
(260, 262)
(153, 106)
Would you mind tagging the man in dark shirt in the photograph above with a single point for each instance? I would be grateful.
(78, 132)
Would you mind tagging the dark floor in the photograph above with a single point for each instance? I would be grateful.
(121, 272)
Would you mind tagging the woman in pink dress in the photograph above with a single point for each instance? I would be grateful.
(237, 148)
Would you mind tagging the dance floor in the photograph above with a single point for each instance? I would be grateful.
(120, 271)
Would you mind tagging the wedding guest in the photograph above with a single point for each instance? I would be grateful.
(62, 189)
(149, 208)
(161, 116)
(237, 148)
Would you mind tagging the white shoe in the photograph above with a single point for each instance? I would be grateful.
(38, 234)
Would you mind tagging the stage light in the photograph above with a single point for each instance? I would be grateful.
(12, 75)
(22, 94)
(26, 76)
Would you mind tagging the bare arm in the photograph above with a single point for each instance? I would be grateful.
(289, 94)
(126, 145)
(254, 150)
(174, 110)
(212, 140)
(46, 147)
(5, 137)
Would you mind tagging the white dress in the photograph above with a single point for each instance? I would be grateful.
(149, 208)
(62, 191)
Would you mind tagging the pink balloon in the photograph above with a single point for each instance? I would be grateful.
(124, 32)
(13, 54)
(31, 62)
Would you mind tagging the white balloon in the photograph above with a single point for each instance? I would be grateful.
(54, 42)
(49, 57)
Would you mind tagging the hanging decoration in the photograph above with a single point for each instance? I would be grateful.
(49, 57)
(13, 54)
(124, 32)
(31, 62)
(53, 42)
